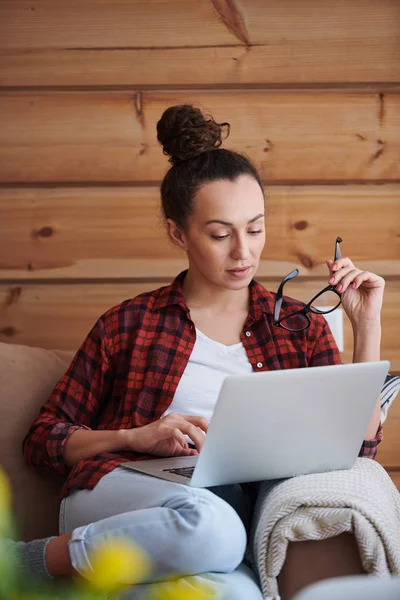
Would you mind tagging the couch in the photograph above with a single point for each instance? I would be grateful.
(27, 377)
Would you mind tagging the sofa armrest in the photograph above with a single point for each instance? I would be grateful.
(27, 377)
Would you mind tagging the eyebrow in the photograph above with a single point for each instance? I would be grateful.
(231, 224)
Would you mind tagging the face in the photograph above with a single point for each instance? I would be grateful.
(225, 236)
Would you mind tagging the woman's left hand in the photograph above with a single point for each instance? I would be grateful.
(361, 291)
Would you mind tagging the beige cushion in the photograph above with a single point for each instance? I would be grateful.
(27, 378)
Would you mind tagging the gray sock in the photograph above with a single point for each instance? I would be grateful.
(31, 556)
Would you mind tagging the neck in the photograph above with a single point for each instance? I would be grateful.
(200, 293)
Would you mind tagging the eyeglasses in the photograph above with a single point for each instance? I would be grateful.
(300, 320)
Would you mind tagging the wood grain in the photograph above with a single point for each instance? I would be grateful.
(390, 327)
(395, 476)
(43, 43)
(111, 136)
(117, 232)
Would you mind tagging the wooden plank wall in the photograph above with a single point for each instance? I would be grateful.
(312, 93)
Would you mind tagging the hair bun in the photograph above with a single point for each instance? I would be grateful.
(184, 132)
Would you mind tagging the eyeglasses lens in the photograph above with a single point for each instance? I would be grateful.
(325, 302)
(295, 322)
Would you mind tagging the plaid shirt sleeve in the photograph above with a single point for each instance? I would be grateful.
(74, 403)
(389, 391)
(369, 448)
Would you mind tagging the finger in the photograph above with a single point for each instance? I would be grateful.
(345, 281)
(165, 432)
(329, 264)
(370, 280)
(342, 262)
(197, 436)
(194, 419)
(174, 418)
(189, 452)
(179, 427)
(195, 433)
(340, 275)
(198, 421)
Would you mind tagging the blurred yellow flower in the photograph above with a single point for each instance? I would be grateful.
(118, 562)
(6, 525)
(5, 492)
(185, 588)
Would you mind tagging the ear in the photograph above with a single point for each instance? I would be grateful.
(175, 234)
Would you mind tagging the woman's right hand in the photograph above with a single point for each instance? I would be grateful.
(166, 437)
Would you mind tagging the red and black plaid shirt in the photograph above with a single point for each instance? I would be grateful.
(126, 372)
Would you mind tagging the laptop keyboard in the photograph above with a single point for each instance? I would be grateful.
(184, 471)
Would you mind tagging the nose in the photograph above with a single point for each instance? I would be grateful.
(240, 248)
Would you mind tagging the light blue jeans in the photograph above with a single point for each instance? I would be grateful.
(185, 530)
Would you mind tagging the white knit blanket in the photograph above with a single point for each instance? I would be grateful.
(362, 500)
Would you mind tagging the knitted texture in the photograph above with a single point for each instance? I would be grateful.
(362, 500)
(31, 556)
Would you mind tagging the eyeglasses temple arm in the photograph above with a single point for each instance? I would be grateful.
(279, 293)
(338, 254)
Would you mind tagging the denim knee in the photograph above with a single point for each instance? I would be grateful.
(193, 531)
(215, 535)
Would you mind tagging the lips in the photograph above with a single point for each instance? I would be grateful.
(239, 273)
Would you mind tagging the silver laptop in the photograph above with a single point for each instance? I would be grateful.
(279, 424)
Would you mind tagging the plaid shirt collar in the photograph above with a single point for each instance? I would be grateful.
(261, 300)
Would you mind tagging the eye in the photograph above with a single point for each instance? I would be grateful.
(255, 232)
(219, 237)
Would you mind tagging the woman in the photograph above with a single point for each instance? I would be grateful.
(145, 380)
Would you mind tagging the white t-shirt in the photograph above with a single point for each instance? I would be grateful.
(209, 364)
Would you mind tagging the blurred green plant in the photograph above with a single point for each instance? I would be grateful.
(117, 563)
